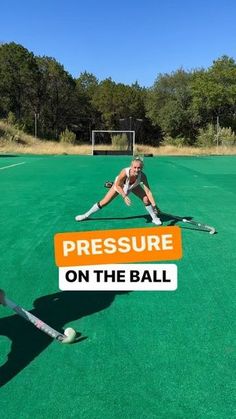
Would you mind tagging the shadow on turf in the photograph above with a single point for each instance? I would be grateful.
(8, 155)
(133, 217)
(56, 310)
(164, 218)
(171, 220)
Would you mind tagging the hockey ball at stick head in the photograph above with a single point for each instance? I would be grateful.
(70, 334)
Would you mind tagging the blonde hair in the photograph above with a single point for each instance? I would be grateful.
(137, 158)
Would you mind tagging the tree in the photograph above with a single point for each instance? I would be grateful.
(214, 92)
(169, 105)
(87, 84)
(116, 101)
(56, 94)
(87, 116)
(104, 101)
(18, 81)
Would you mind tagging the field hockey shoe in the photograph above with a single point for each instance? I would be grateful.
(81, 217)
(156, 221)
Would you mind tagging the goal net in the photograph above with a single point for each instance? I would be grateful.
(113, 142)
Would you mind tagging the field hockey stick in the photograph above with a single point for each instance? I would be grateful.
(68, 336)
(210, 229)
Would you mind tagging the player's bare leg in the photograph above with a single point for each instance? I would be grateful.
(140, 193)
(110, 195)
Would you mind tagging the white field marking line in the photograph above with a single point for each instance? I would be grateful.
(12, 165)
(213, 187)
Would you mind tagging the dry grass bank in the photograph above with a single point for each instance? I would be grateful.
(170, 150)
(43, 147)
(17, 142)
(51, 147)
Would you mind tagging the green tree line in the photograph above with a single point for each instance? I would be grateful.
(178, 105)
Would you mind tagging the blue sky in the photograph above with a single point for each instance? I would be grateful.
(128, 40)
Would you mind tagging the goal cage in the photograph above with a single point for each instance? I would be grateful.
(113, 142)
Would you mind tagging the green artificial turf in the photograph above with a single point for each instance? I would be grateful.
(144, 354)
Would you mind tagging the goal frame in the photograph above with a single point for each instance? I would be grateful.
(113, 131)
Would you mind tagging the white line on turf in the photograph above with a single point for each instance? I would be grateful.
(212, 187)
(12, 165)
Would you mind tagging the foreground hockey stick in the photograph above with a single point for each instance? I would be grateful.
(69, 335)
(205, 227)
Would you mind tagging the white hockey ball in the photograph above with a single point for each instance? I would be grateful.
(70, 334)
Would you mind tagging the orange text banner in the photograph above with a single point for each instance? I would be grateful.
(118, 246)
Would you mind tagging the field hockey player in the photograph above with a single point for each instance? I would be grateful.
(130, 180)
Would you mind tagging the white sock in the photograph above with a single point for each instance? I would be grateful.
(150, 210)
(155, 219)
(92, 210)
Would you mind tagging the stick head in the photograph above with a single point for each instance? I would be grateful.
(70, 335)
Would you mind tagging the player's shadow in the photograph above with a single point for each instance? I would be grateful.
(171, 220)
(131, 217)
(56, 310)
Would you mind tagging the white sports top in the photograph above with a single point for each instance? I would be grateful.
(127, 186)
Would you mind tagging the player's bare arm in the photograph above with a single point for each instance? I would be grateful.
(119, 184)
